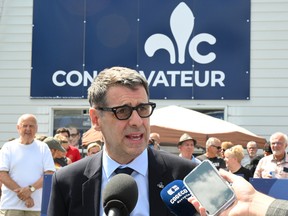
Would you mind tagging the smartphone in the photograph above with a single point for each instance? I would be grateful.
(210, 189)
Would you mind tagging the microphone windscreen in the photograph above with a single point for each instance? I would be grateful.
(175, 197)
(121, 189)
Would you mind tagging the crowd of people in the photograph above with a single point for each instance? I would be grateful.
(126, 142)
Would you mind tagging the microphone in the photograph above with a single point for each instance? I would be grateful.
(175, 196)
(120, 195)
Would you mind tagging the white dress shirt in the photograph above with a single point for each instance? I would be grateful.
(140, 175)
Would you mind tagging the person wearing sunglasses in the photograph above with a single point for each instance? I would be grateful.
(120, 108)
(224, 146)
(213, 150)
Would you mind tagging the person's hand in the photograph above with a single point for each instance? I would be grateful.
(248, 200)
(29, 203)
(197, 205)
(23, 193)
(267, 174)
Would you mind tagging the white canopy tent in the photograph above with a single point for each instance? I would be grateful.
(172, 121)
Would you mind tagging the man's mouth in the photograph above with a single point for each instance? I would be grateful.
(135, 137)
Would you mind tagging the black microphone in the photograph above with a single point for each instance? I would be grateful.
(175, 197)
(120, 195)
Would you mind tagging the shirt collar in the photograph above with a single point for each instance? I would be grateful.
(284, 160)
(139, 164)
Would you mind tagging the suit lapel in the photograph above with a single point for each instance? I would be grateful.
(158, 179)
(158, 176)
(91, 189)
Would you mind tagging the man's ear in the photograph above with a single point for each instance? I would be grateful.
(94, 117)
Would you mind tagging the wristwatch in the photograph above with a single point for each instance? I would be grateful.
(32, 189)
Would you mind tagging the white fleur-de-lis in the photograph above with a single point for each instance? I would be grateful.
(182, 24)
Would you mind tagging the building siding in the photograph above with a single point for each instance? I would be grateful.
(263, 114)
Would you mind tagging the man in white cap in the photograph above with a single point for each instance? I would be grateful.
(94, 148)
(186, 147)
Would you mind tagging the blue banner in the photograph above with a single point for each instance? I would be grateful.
(186, 49)
(272, 187)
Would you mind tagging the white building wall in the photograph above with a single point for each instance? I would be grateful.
(263, 114)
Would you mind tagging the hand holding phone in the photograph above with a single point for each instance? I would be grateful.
(209, 188)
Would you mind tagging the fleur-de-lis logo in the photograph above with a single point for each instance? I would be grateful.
(181, 24)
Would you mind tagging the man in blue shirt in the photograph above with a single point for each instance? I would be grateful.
(186, 146)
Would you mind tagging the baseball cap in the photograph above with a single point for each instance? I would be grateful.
(54, 144)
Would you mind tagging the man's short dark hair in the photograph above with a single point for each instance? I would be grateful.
(63, 130)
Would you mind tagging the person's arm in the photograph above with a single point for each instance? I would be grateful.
(12, 185)
(249, 201)
(278, 207)
(260, 204)
(8, 181)
(25, 192)
(39, 183)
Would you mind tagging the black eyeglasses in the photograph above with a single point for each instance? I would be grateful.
(124, 112)
(218, 147)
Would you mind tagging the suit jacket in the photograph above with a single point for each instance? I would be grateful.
(76, 188)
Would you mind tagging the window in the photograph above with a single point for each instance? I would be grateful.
(78, 118)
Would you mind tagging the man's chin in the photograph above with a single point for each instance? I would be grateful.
(137, 151)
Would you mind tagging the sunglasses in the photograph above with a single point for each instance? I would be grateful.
(218, 147)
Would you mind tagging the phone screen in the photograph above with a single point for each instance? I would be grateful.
(210, 189)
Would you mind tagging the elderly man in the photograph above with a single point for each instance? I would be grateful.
(252, 149)
(23, 163)
(276, 164)
(120, 109)
(186, 146)
(213, 149)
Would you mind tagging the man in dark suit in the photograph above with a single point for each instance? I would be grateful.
(120, 109)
